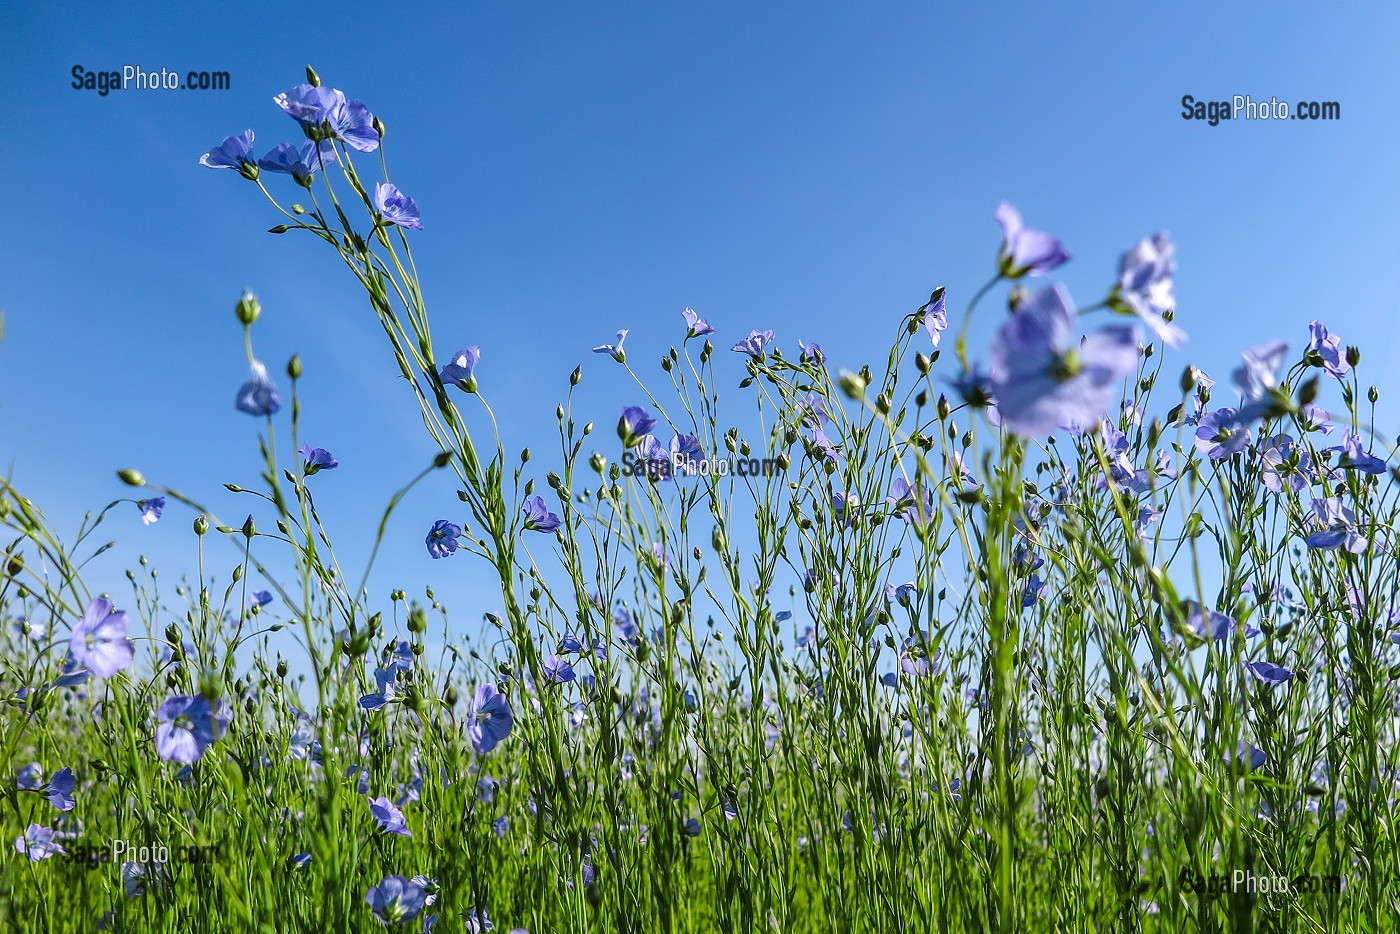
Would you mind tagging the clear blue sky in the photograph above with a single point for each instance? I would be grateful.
(811, 168)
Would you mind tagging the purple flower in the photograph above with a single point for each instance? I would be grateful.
(477, 922)
(30, 778)
(557, 670)
(1268, 672)
(395, 207)
(1356, 457)
(442, 538)
(489, 720)
(1146, 276)
(316, 459)
(1315, 418)
(1024, 251)
(634, 425)
(686, 451)
(389, 818)
(538, 518)
(691, 827)
(614, 350)
(99, 643)
(1203, 624)
(59, 790)
(459, 371)
(151, 509)
(1325, 350)
(1287, 465)
(186, 726)
(1249, 757)
(1338, 527)
(38, 843)
(935, 316)
(695, 325)
(1043, 378)
(396, 899)
(811, 353)
(386, 681)
(902, 594)
(309, 105)
(260, 598)
(1257, 380)
(914, 659)
(325, 112)
(259, 395)
(300, 162)
(235, 152)
(1221, 434)
(754, 343)
(912, 502)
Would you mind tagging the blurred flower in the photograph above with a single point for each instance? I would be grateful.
(1044, 378)
(309, 104)
(1257, 380)
(396, 207)
(489, 719)
(389, 818)
(185, 727)
(396, 899)
(260, 598)
(59, 790)
(442, 538)
(538, 518)
(385, 681)
(259, 395)
(316, 459)
(1146, 276)
(38, 843)
(1356, 457)
(614, 350)
(151, 509)
(30, 778)
(477, 922)
(1206, 624)
(1024, 251)
(99, 642)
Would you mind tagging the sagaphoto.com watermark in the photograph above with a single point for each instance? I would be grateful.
(1243, 107)
(137, 78)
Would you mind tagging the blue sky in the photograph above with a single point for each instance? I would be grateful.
(812, 168)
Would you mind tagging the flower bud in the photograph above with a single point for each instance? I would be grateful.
(576, 376)
(131, 477)
(851, 384)
(597, 462)
(1353, 355)
(201, 525)
(379, 127)
(312, 78)
(442, 459)
(294, 367)
(249, 528)
(248, 308)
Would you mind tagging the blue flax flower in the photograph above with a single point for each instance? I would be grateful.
(259, 395)
(396, 208)
(99, 641)
(442, 538)
(1025, 252)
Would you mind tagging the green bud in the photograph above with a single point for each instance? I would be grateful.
(131, 477)
(1354, 355)
(525, 456)
(922, 362)
(852, 384)
(597, 462)
(576, 376)
(201, 524)
(294, 367)
(281, 668)
(312, 78)
(248, 308)
(249, 528)
(379, 127)
(442, 459)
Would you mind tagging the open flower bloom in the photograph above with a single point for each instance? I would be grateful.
(1025, 252)
(1045, 378)
(99, 642)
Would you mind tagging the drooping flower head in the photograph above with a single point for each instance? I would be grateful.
(634, 425)
(459, 372)
(1025, 252)
(538, 518)
(316, 459)
(1044, 378)
(396, 208)
(186, 726)
(1355, 456)
(99, 642)
(151, 509)
(489, 720)
(442, 538)
(259, 395)
(1268, 672)
(614, 350)
(934, 315)
(235, 152)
